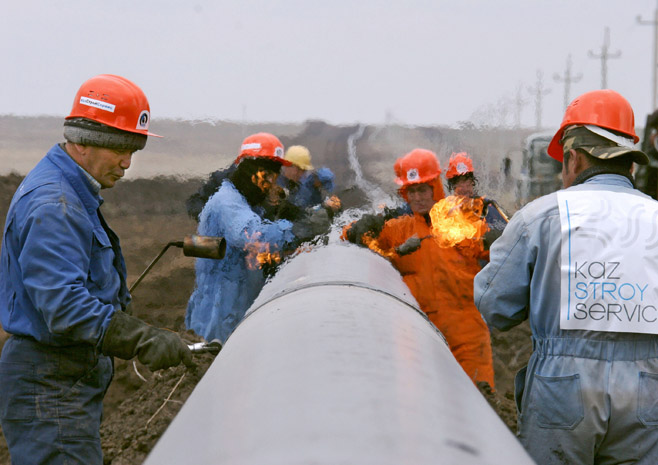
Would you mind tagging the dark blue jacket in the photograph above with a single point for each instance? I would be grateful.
(61, 276)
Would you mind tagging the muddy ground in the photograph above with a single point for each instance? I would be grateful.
(147, 214)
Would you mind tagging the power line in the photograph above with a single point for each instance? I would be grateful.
(653, 23)
(519, 103)
(605, 55)
(567, 78)
(539, 92)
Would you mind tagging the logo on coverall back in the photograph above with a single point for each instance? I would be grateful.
(609, 268)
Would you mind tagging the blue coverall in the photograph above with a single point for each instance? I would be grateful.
(308, 193)
(226, 288)
(62, 277)
(586, 396)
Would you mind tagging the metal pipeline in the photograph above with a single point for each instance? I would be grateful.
(334, 363)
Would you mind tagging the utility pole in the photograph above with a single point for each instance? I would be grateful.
(605, 56)
(388, 117)
(653, 23)
(539, 91)
(244, 120)
(567, 79)
(519, 103)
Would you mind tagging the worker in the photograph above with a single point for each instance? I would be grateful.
(441, 279)
(463, 182)
(567, 262)
(307, 186)
(225, 289)
(459, 175)
(63, 292)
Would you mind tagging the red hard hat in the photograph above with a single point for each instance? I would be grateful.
(604, 108)
(113, 101)
(262, 145)
(459, 164)
(417, 167)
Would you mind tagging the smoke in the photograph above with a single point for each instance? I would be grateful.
(377, 197)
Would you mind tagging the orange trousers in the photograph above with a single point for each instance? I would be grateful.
(470, 341)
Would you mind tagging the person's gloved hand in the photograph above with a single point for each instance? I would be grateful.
(333, 203)
(315, 223)
(368, 223)
(127, 337)
(289, 211)
(409, 246)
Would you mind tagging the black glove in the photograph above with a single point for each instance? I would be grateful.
(288, 211)
(315, 223)
(127, 337)
(369, 223)
(410, 245)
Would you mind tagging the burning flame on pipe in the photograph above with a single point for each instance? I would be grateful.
(457, 218)
(371, 242)
(258, 253)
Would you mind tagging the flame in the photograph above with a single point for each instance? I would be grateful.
(369, 240)
(258, 253)
(457, 218)
(260, 179)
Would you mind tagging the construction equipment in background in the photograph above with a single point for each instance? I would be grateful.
(335, 363)
(540, 174)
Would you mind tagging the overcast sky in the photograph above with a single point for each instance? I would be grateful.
(417, 62)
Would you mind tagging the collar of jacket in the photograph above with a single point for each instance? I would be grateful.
(426, 217)
(76, 178)
(597, 170)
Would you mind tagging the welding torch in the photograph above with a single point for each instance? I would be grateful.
(410, 245)
(493, 203)
(193, 246)
(199, 247)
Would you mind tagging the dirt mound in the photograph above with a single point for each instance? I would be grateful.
(147, 214)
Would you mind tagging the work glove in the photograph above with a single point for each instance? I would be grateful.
(409, 246)
(127, 337)
(289, 211)
(333, 203)
(315, 223)
(368, 223)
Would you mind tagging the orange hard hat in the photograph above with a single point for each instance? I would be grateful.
(417, 167)
(604, 108)
(459, 164)
(262, 145)
(113, 101)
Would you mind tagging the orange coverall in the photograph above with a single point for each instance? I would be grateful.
(441, 280)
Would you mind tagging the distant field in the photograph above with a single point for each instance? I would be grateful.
(187, 149)
(194, 149)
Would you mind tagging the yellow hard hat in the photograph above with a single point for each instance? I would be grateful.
(299, 156)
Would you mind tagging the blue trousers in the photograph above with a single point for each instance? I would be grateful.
(51, 402)
(590, 401)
